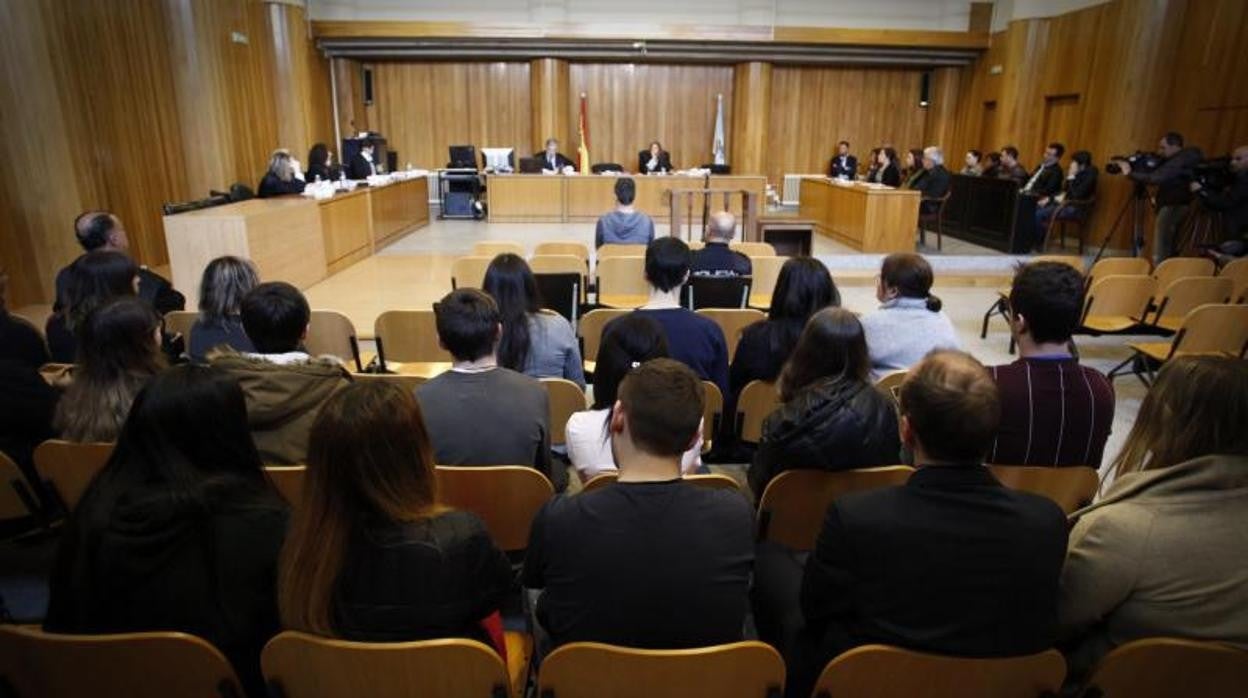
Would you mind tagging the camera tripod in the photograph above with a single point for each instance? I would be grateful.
(1137, 208)
(1201, 228)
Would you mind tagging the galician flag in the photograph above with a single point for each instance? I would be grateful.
(717, 147)
(582, 153)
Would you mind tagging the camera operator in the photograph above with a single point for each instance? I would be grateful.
(1172, 177)
(1231, 202)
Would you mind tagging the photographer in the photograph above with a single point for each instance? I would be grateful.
(1171, 177)
(1231, 202)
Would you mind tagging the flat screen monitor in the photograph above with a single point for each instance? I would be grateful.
(499, 159)
(463, 156)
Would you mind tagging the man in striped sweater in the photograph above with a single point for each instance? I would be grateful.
(1053, 411)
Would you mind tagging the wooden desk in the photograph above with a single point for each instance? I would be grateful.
(397, 208)
(346, 241)
(869, 219)
(525, 198)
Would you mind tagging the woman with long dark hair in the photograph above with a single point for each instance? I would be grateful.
(913, 168)
(909, 322)
(321, 164)
(225, 282)
(94, 279)
(371, 555)
(120, 352)
(180, 530)
(536, 342)
(887, 172)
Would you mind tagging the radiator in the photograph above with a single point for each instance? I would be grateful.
(793, 188)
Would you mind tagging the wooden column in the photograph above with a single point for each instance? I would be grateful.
(548, 92)
(301, 82)
(942, 113)
(751, 105)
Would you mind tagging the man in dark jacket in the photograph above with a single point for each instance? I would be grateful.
(552, 160)
(1010, 167)
(363, 163)
(101, 230)
(934, 183)
(1075, 202)
(843, 164)
(950, 563)
(1172, 178)
(1047, 180)
(717, 258)
(1231, 202)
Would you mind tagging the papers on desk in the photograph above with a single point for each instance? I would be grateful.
(321, 190)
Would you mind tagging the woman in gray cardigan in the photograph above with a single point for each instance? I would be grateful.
(536, 342)
(909, 322)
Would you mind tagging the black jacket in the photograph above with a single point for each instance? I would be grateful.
(360, 168)
(643, 161)
(25, 415)
(1049, 183)
(933, 183)
(849, 169)
(421, 580)
(272, 185)
(1172, 177)
(718, 259)
(890, 176)
(153, 288)
(834, 424)
(326, 173)
(1232, 202)
(561, 161)
(1083, 186)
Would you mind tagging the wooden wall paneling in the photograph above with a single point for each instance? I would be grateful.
(751, 105)
(1209, 74)
(301, 83)
(1062, 114)
(548, 95)
(942, 113)
(349, 86)
(500, 109)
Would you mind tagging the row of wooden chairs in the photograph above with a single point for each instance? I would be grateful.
(493, 248)
(297, 665)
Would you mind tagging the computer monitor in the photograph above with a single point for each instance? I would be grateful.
(463, 156)
(499, 159)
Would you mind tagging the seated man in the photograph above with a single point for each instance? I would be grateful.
(844, 165)
(1010, 167)
(625, 225)
(649, 561)
(1080, 187)
(1046, 182)
(101, 230)
(692, 339)
(479, 413)
(553, 161)
(284, 387)
(950, 563)
(934, 183)
(717, 258)
(1053, 411)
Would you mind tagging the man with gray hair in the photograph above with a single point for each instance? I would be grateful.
(716, 258)
(933, 184)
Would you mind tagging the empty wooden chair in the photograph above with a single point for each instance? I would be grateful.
(754, 249)
(1118, 266)
(17, 499)
(558, 264)
(733, 322)
(408, 336)
(589, 329)
(469, 272)
(1072, 488)
(180, 322)
(620, 250)
(712, 413)
(566, 398)
(1176, 268)
(331, 332)
(765, 273)
(288, 481)
(1237, 271)
(406, 382)
(882, 671)
(1165, 667)
(576, 249)
(791, 509)
(299, 665)
(1000, 305)
(1116, 303)
(890, 384)
(505, 497)
(695, 245)
(70, 467)
(757, 400)
(1217, 329)
(124, 665)
(1185, 295)
(715, 481)
(493, 248)
(594, 670)
(622, 282)
(563, 294)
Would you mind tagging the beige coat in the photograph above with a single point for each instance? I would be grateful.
(1164, 553)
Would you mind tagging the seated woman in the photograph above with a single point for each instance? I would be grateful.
(180, 530)
(321, 164)
(972, 168)
(992, 166)
(1162, 552)
(913, 168)
(120, 353)
(283, 176)
(371, 555)
(94, 279)
(832, 417)
(226, 280)
(628, 342)
(886, 171)
(873, 165)
(535, 342)
(909, 322)
(654, 159)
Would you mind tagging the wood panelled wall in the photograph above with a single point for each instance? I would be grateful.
(128, 104)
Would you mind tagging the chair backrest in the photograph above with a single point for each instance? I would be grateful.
(1182, 267)
(757, 400)
(716, 292)
(558, 264)
(1163, 667)
(404, 381)
(695, 245)
(17, 499)
(331, 332)
(493, 248)
(469, 272)
(180, 322)
(562, 293)
(1188, 293)
(882, 671)
(124, 665)
(1237, 271)
(505, 497)
(1072, 488)
(1070, 260)
(1119, 266)
(712, 413)
(298, 665)
(1213, 329)
(70, 466)
(566, 398)
(620, 250)
(288, 481)
(791, 509)
(619, 276)
(408, 335)
(754, 249)
(600, 167)
(577, 249)
(715, 481)
(590, 669)
(1119, 296)
(590, 329)
(890, 384)
(733, 322)
(765, 273)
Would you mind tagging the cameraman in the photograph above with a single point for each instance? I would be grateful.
(1232, 202)
(1172, 177)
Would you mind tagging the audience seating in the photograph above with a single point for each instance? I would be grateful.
(331, 332)
(1080, 221)
(733, 322)
(1072, 488)
(765, 273)
(792, 508)
(558, 264)
(1115, 303)
(505, 497)
(757, 400)
(590, 328)
(890, 384)
(469, 272)
(70, 467)
(566, 397)
(36, 664)
(695, 245)
(1165, 667)
(715, 481)
(1180, 268)
(619, 250)
(180, 322)
(408, 336)
(1185, 295)
(1237, 271)
(577, 249)
(1001, 304)
(882, 671)
(754, 249)
(937, 217)
(17, 499)
(562, 294)
(1218, 329)
(493, 248)
(299, 665)
(594, 670)
(1121, 266)
(288, 481)
(712, 414)
(406, 382)
(622, 282)
(716, 292)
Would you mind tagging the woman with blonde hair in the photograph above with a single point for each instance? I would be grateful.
(1162, 553)
(371, 555)
(284, 176)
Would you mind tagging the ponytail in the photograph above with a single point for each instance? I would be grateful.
(933, 303)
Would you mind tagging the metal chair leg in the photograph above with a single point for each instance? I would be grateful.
(997, 308)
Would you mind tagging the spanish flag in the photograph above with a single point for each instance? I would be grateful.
(582, 153)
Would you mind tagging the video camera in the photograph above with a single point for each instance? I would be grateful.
(1139, 161)
(1213, 174)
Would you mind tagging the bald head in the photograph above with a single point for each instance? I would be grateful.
(100, 230)
(1239, 159)
(722, 226)
(949, 409)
